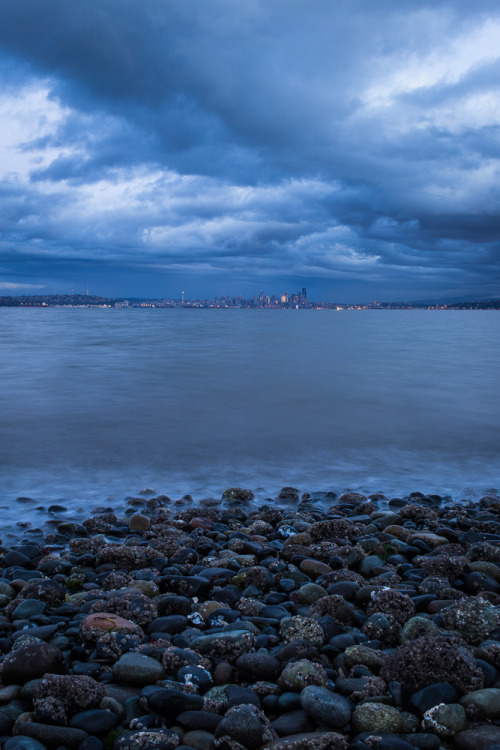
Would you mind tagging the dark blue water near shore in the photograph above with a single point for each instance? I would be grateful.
(99, 402)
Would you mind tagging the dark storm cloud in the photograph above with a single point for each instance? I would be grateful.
(333, 142)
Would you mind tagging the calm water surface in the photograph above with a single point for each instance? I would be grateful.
(99, 402)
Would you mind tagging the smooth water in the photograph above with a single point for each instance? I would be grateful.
(101, 402)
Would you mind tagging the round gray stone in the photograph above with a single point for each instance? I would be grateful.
(137, 669)
(445, 720)
(325, 706)
(377, 718)
(28, 608)
(485, 703)
(478, 738)
(23, 743)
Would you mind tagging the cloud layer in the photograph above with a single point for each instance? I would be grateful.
(152, 147)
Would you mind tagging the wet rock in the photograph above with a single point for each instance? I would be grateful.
(292, 722)
(335, 528)
(258, 666)
(428, 660)
(226, 645)
(432, 695)
(474, 619)
(423, 740)
(53, 736)
(137, 669)
(199, 720)
(380, 741)
(482, 704)
(304, 628)
(31, 661)
(170, 703)
(326, 707)
(44, 590)
(445, 720)
(309, 741)
(383, 628)
(110, 646)
(351, 498)
(377, 718)
(238, 494)
(314, 568)
(393, 603)
(13, 557)
(23, 743)
(310, 593)
(478, 738)
(359, 654)
(95, 625)
(64, 695)
(95, 721)
(28, 608)
(416, 627)
(184, 586)
(160, 739)
(370, 564)
(130, 604)
(300, 673)
(124, 557)
(245, 724)
(236, 695)
(168, 624)
(139, 522)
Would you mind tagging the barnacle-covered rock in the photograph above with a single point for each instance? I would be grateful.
(302, 628)
(390, 602)
(130, 604)
(95, 625)
(340, 528)
(473, 618)
(126, 557)
(429, 659)
(298, 674)
(57, 697)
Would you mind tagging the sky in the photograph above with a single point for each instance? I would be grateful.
(149, 147)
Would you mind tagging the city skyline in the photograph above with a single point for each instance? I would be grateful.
(284, 300)
(348, 147)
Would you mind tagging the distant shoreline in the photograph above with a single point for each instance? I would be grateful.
(71, 301)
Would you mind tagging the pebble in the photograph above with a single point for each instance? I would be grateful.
(171, 703)
(292, 722)
(483, 704)
(432, 695)
(23, 743)
(244, 725)
(95, 721)
(377, 717)
(478, 738)
(326, 707)
(49, 734)
(33, 660)
(445, 720)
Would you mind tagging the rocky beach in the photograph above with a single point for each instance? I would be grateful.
(231, 625)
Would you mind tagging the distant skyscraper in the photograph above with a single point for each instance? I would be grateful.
(304, 295)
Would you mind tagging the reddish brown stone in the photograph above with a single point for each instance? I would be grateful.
(99, 623)
(200, 523)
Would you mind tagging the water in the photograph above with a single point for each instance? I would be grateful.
(99, 403)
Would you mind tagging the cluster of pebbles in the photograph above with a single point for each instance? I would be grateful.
(374, 623)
